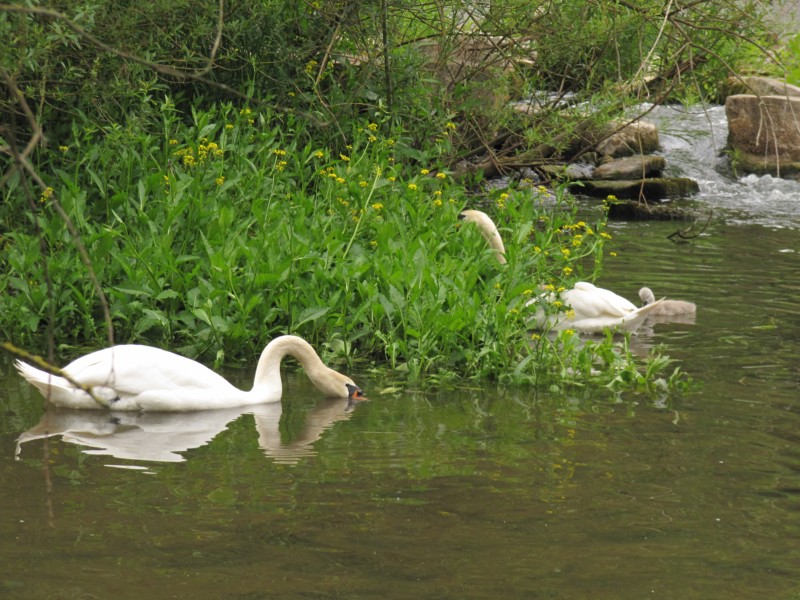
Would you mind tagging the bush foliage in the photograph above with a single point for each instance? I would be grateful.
(240, 170)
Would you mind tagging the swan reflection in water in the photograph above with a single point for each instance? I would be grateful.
(161, 437)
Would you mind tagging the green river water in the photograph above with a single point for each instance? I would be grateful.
(473, 491)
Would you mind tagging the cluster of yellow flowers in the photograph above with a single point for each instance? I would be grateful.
(205, 150)
(246, 113)
(46, 195)
(501, 201)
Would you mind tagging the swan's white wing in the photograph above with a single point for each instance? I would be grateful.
(132, 370)
(591, 302)
(135, 377)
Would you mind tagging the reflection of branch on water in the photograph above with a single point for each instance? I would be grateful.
(162, 437)
(48, 485)
(689, 233)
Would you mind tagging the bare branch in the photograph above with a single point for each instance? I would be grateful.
(42, 364)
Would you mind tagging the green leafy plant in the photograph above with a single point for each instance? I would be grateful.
(212, 237)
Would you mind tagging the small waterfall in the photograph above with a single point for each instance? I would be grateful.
(693, 140)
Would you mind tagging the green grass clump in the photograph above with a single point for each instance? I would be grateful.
(212, 237)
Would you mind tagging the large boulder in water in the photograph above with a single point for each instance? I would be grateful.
(764, 134)
(758, 86)
(631, 167)
(639, 137)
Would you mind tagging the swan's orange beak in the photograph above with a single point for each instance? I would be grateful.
(355, 394)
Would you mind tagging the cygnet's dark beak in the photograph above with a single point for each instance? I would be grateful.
(461, 216)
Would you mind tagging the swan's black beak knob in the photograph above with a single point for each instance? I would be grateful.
(354, 393)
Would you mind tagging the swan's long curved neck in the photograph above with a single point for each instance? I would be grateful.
(488, 230)
(268, 371)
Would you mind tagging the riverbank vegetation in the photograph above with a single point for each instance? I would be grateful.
(205, 178)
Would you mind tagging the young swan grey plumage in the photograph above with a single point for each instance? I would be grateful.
(590, 309)
(667, 308)
(134, 377)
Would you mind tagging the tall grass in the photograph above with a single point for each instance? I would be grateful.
(213, 236)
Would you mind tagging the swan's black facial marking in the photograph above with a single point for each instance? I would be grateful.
(354, 392)
(461, 216)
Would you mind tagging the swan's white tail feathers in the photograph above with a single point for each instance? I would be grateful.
(35, 376)
(632, 321)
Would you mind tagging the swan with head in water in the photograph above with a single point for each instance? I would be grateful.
(590, 309)
(133, 377)
(667, 308)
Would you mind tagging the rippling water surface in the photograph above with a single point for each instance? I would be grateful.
(473, 492)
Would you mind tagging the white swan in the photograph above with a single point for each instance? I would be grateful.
(589, 309)
(488, 229)
(133, 377)
(667, 308)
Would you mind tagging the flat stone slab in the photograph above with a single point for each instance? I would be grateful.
(630, 210)
(649, 190)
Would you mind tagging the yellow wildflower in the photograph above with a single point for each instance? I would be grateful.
(412, 186)
(372, 127)
(441, 175)
(425, 171)
(220, 180)
(377, 206)
(46, 194)
(344, 157)
(64, 149)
